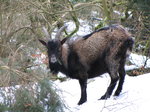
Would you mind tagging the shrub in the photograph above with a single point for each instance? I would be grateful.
(37, 97)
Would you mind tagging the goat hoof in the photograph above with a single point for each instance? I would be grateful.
(81, 102)
(117, 93)
(104, 97)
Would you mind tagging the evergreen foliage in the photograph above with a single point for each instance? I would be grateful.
(38, 97)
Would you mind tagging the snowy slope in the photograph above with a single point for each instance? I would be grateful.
(135, 96)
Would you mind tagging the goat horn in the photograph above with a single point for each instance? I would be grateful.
(46, 32)
(60, 30)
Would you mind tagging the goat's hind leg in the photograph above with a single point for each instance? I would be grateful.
(121, 79)
(114, 78)
(110, 88)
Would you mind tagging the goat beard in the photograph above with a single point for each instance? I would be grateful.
(54, 67)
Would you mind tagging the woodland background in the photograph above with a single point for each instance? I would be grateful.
(21, 23)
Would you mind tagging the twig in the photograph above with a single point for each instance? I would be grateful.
(18, 72)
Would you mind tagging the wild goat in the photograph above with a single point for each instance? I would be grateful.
(103, 51)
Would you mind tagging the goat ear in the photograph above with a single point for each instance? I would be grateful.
(63, 41)
(43, 42)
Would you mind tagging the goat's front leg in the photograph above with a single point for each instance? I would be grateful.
(83, 85)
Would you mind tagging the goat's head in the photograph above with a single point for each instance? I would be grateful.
(54, 47)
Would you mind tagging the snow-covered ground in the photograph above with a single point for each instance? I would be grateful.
(135, 96)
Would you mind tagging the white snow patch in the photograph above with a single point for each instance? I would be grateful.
(135, 96)
(139, 60)
(84, 28)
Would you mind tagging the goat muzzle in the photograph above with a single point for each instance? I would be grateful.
(53, 59)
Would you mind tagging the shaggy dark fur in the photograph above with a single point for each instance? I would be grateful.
(103, 51)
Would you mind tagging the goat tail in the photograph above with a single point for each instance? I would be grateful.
(126, 48)
(129, 45)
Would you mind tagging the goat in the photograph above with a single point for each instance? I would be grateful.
(102, 51)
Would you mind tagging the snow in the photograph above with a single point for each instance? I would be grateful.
(84, 28)
(139, 60)
(135, 96)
